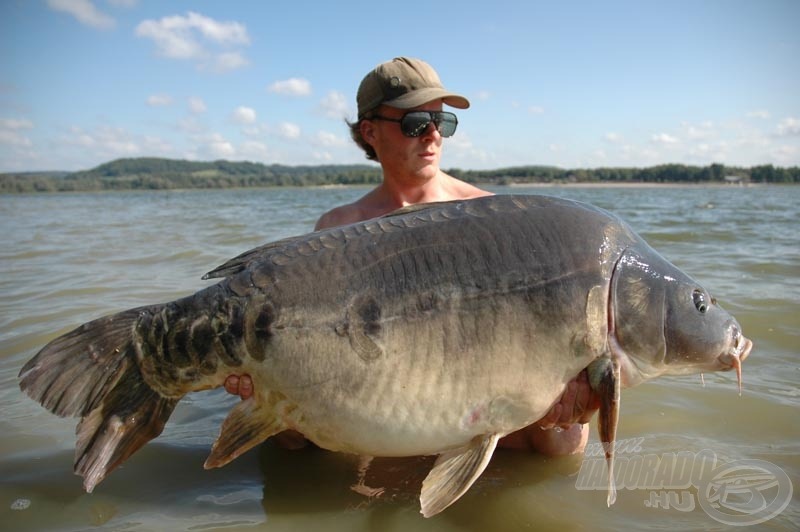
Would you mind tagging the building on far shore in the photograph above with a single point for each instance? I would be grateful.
(735, 180)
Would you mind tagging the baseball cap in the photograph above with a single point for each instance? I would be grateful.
(404, 83)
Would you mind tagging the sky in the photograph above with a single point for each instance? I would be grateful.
(569, 84)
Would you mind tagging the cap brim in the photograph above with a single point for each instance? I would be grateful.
(422, 96)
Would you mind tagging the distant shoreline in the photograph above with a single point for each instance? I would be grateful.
(366, 186)
(147, 173)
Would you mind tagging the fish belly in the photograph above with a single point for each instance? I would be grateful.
(419, 385)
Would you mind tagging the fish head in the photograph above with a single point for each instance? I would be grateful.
(663, 322)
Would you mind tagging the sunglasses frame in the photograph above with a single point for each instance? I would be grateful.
(433, 117)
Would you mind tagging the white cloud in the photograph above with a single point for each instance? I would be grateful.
(254, 150)
(483, 95)
(219, 147)
(12, 138)
(156, 145)
(107, 142)
(244, 115)
(229, 61)
(536, 110)
(707, 153)
(253, 130)
(84, 12)
(289, 131)
(329, 140)
(334, 105)
(789, 127)
(77, 147)
(702, 131)
(123, 3)
(13, 123)
(663, 138)
(179, 37)
(220, 32)
(460, 151)
(613, 137)
(80, 138)
(322, 156)
(786, 155)
(159, 100)
(170, 42)
(17, 151)
(117, 142)
(291, 87)
(197, 105)
(191, 125)
(758, 114)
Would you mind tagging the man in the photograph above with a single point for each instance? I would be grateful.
(401, 124)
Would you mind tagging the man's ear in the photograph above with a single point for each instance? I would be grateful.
(367, 128)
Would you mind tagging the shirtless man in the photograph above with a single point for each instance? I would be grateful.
(401, 125)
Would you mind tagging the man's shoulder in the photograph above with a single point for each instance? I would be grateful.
(464, 190)
(342, 215)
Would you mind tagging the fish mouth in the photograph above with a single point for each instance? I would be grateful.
(733, 358)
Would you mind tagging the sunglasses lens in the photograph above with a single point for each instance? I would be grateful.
(446, 123)
(415, 123)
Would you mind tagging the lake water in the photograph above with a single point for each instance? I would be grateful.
(66, 259)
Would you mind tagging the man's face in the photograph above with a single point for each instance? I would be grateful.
(410, 157)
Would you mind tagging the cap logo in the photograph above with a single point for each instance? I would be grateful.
(394, 82)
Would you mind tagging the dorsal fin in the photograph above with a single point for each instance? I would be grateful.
(240, 262)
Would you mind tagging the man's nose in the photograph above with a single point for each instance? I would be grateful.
(431, 130)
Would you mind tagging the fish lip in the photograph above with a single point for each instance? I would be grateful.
(741, 346)
(736, 354)
(739, 349)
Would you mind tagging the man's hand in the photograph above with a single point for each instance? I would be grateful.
(241, 386)
(563, 430)
(578, 404)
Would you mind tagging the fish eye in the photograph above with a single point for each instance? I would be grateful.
(699, 298)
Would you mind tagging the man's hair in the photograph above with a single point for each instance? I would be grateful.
(355, 133)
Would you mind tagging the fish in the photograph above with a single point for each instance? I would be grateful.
(434, 330)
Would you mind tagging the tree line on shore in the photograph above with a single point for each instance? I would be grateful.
(156, 174)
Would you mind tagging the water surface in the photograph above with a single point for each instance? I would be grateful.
(69, 258)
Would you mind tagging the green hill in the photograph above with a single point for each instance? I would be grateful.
(154, 173)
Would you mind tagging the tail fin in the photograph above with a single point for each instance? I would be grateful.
(91, 372)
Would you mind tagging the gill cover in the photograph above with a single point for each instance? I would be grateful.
(663, 320)
(638, 300)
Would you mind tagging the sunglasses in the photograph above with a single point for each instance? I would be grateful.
(415, 123)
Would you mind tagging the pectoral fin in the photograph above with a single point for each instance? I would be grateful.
(454, 472)
(249, 423)
(604, 378)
